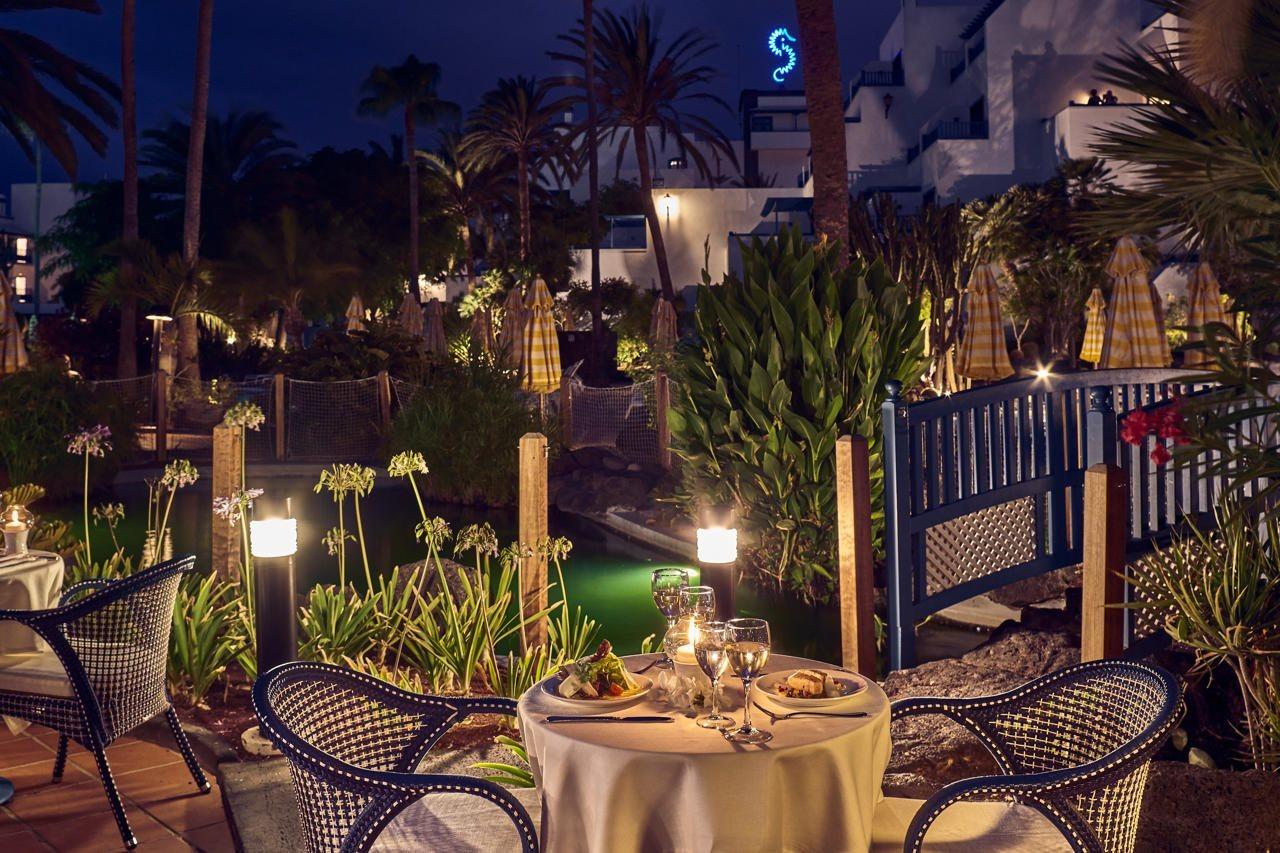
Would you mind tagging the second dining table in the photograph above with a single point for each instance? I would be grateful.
(621, 787)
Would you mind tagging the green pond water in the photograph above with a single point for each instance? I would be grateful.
(607, 575)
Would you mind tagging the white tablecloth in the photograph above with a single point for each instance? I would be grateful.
(31, 581)
(613, 788)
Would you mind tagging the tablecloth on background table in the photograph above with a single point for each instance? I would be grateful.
(613, 788)
(31, 581)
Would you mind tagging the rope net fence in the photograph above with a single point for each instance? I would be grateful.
(620, 418)
(333, 420)
(196, 407)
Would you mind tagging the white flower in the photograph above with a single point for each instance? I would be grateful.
(407, 463)
(245, 414)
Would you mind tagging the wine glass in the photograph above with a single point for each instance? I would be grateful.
(747, 648)
(667, 585)
(714, 661)
(698, 604)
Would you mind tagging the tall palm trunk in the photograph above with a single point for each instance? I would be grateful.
(639, 134)
(593, 189)
(820, 62)
(188, 334)
(522, 183)
(127, 346)
(411, 157)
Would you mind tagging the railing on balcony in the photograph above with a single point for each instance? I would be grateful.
(876, 77)
(954, 129)
(976, 49)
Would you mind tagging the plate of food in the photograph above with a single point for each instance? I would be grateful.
(600, 680)
(811, 688)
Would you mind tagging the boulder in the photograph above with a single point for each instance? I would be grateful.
(1196, 810)
(1045, 587)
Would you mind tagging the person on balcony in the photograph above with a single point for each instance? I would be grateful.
(1094, 99)
(1110, 99)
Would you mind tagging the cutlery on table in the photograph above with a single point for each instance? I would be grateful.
(606, 718)
(779, 717)
(650, 665)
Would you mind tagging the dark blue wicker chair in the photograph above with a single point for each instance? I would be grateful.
(111, 638)
(1075, 745)
(354, 742)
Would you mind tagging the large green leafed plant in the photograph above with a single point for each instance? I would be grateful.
(790, 356)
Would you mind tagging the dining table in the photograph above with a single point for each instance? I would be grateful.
(621, 787)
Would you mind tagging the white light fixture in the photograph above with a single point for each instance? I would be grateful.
(20, 247)
(717, 545)
(669, 205)
(273, 537)
(20, 286)
(1043, 372)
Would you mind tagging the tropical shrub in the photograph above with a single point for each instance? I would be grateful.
(206, 636)
(789, 357)
(337, 355)
(42, 407)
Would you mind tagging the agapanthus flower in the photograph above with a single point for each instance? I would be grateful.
(111, 513)
(94, 441)
(407, 463)
(245, 414)
(179, 474)
(333, 540)
(229, 507)
(346, 477)
(479, 538)
(554, 548)
(433, 531)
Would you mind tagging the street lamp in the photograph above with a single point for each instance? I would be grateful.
(273, 542)
(718, 555)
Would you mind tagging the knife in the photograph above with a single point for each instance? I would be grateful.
(569, 718)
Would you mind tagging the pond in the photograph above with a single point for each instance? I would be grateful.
(606, 574)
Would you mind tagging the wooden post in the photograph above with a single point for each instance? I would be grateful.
(162, 415)
(281, 416)
(384, 399)
(228, 449)
(857, 572)
(566, 410)
(533, 530)
(1106, 514)
(661, 405)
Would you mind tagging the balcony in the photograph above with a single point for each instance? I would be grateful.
(953, 62)
(954, 130)
(876, 77)
(977, 48)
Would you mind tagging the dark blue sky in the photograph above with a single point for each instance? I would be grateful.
(303, 60)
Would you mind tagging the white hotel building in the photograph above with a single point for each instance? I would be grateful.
(966, 98)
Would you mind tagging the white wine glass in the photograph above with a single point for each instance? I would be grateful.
(713, 660)
(698, 603)
(668, 586)
(747, 648)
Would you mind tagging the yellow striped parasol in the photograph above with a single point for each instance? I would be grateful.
(410, 317)
(355, 314)
(482, 331)
(983, 354)
(663, 331)
(1095, 327)
(1204, 306)
(1135, 336)
(540, 357)
(437, 344)
(511, 335)
(13, 352)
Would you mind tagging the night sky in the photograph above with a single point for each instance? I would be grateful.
(303, 60)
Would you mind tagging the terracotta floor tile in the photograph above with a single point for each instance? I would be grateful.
(175, 802)
(60, 802)
(98, 832)
(25, 841)
(16, 750)
(211, 839)
(30, 778)
(128, 757)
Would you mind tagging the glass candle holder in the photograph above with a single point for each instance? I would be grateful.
(17, 523)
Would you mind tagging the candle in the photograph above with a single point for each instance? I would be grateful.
(685, 655)
(14, 527)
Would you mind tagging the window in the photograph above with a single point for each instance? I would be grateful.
(676, 163)
(20, 286)
(20, 246)
(761, 124)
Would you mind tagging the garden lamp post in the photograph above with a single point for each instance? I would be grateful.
(273, 542)
(718, 556)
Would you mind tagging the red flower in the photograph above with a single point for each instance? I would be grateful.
(1160, 454)
(1138, 424)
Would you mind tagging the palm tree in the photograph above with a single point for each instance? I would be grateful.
(80, 102)
(188, 344)
(412, 86)
(466, 188)
(824, 100)
(520, 121)
(593, 185)
(127, 347)
(644, 88)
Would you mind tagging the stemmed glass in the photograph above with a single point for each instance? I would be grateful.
(668, 586)
(698, 604)
(747, 648)
(714, 661)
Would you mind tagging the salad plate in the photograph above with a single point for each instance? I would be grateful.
(599, 681)
(811, 688)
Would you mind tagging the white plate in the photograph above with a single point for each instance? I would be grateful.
(847, 684)
(551, 687)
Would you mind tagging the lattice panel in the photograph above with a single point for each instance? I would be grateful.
(335, 421)
(979, 544)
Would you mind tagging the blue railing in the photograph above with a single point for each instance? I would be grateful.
(985, 487)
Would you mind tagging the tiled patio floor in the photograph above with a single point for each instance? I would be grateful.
(165, 809)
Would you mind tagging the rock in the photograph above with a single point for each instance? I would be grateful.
(595, 492)
(1196, 810)
(931, 751)
(1040, 588)
(255, 743)
(634, 467)
(1179, 739)
(613, 463)
(1199, 758)
(430, 578)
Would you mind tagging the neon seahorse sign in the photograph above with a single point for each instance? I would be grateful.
(780, 41)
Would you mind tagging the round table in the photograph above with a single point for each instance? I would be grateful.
(620, 787)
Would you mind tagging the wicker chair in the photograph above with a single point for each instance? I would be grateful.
(1075, 745)
(105, 672)
(353, 743)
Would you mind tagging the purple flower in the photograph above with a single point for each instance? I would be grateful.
(94, 441)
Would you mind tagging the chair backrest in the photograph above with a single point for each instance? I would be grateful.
(120, 637)
(330, 722)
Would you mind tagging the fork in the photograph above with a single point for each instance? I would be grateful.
(650, 665)
(779, 717)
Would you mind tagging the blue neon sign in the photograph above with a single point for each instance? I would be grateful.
(780, 41)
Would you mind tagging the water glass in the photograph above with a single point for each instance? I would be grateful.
(713, 660)
(668, 585)
(747, 648)
(698, 604)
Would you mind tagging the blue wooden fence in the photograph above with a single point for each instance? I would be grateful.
(985, 487)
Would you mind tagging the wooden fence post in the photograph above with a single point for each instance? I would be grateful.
(228, 449)
(566, 410)
(1106, 517)
(857, 572)
(661, 405)
(533, 530)
(162, 415)
(281, 416)
(384, 399)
